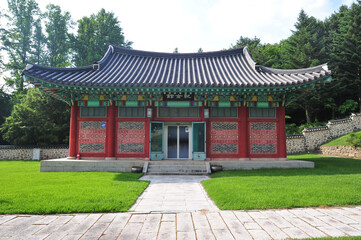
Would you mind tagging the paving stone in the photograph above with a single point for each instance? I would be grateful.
(167, 231)
(140, 218)
(294, 232)
(85, 224)
(271, 229)
(116, 226)
(332, 231)
(305, 227)
(314, 221)
(184, 222)
(6, 218)
(46, 220)
(150, 227)
(216, 222)
(252, 226)
(235, 226)
(96, 230)
(259, 234)
(131, 231)
(278, 220)
(204, 234)
(200, 220)
(168, 218)
(345, 216)
(186, 236)
(243, 217)
(256, 214)
(341, 226)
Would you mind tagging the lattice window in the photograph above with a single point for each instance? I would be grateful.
(263, 126)
(130, 148)
(263, 148)
(91, 125)
(224, 137)
(224, 148)
(131, 125)
(92, 137)
(263, 137)
(224, 125)
(131, 137)
(91, 147)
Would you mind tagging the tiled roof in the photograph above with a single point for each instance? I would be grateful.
(122, 67)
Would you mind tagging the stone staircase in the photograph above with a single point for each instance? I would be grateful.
(177, 167)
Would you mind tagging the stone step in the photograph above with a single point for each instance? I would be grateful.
(176, 169)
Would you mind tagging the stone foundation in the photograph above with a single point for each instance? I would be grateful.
(341, 151)
(14, 153)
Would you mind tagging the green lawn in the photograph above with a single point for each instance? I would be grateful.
(343, 140)
(24, 189)
(333, 182)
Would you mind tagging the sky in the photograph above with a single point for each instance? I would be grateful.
(163, 25)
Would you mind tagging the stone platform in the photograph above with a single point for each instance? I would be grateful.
(66, 165)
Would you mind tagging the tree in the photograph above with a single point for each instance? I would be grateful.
(175, 50)
(306, 48)
(37, 120)
(95, 34)
(5, 109)
(253, 44)
(200, 50)
(39, 45)
(57, 25)
(17, 38)
(346, 50)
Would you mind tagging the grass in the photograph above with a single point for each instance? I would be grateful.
(333, 182)
(336, 238)
(343, 141)
(24, 189)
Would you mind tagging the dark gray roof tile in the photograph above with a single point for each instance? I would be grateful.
(122, 67)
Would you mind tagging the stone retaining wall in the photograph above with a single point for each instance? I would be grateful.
(28, 153)
(341, 151)
(312, 138)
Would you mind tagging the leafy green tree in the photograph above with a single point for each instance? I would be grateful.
(5, 109)
(39, 45)
(37, 120)
(17, 38)
(175, 50)
(200, 50)
(57, 25)
(95, 34)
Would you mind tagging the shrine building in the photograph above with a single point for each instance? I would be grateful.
(173, 106)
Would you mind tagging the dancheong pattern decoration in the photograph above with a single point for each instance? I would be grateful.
(224, 137)
(263, 137)
(131, 137)
(92, 137)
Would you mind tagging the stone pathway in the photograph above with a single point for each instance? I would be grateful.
(268, 224)
(174, 194)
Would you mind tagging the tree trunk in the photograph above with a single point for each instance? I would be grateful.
(308, 117)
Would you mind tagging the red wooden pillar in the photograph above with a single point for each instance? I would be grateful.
(281, 132)
(73, 135)
(243, 132)
(110, 138)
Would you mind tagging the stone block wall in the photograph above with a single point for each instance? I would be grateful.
(312, 138)
(26, 153)
(341, 151)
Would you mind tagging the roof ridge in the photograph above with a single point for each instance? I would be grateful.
(128, 51)
(317, 68)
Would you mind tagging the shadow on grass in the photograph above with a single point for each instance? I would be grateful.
(323, 166)
(127, 177)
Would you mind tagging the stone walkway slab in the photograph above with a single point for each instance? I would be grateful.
(267, 224)
(174, 194)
